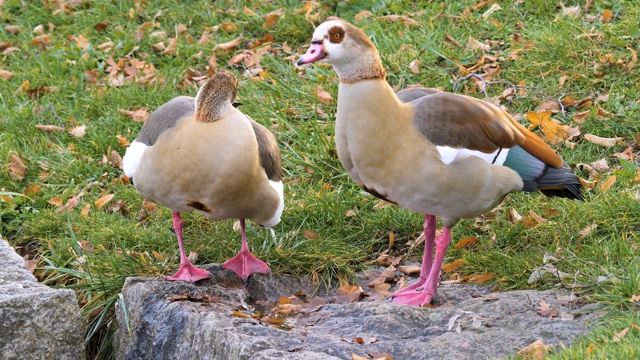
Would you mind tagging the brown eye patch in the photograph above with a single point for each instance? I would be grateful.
(336, 34)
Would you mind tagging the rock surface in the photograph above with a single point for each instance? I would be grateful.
(219, 319)
(36, 321)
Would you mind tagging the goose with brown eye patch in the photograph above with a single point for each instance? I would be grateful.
(205, 155)
(436, 153)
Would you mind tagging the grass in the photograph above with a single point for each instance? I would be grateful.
(93, 253)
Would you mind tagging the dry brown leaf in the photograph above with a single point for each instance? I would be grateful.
(310, 234)
(71, 203)
(171, 47)
(536, 350)
(17, 169)
(12, 29)
(466, 242)
(181, 29)
(581, 116)
(588, 230)
(272, 18)
(137, 115)
(78, 131)
(453, 266)
(607, 14)
(41, 41)
(410, 270)
(607, 142)
(549, 105)
(387, 260)
(49, 128)
(414, 66)
(363, 14)
(480, 278)
(38, 30)
(249, 12)
(115, 159)
(122, 140)
(323, 97)
(81, 41)
(55, 201)
(350, 213)
(635, 298)
(5, 75)
(545, 310)
(634, 60)
(230, 45)
(406, 21)
(618, 336)
(101, 25)
(85, 210)
(571, 11)
(608, 183)
(473, 44)
(103, 200)
(229, 27)
(386, 276)
(32, 190)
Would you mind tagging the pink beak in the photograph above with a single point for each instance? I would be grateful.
(315, 53)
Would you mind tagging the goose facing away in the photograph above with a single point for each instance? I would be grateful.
(205, 155)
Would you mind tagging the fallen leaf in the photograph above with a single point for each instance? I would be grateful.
(85, 210)
(41, 41)
(71, 203)
(406, 21)
(103, 200)
(386, 276)
(552, 130)
(122, 140)
(387, 260)
(618, 336)
(310, 234)
(480, 278)
(5, 75)
(78, 131)
(453, 266)
(410, 270)
(466, 242)
(323, 97)
(55, 201)
(137, 115)
(12, 29)
(588, 230)
(546, 310)
(32, 190)
(101, 25)
(608, 183)
(181, 29)
(272, 18)
(473, 44)
(237, 313)
(349, 293)
(171, 47)
(635, 298)
(607, 14)
(363, 14)
(230, 45)
(17, 168)
(571, 11)
(607, 142)
(414, 66)
(49, 128)
(537, 350)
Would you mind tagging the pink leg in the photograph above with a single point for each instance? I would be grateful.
(427, 258)
(422, 297)
(245, 263)
(187, 272)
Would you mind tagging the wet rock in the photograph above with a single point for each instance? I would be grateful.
(221, 319)
(36, 321)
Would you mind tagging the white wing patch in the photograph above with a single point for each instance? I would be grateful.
(132, 157)
(276, 217)
(449, 154)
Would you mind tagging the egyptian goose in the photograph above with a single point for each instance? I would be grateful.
(433, 152)
(203, 154)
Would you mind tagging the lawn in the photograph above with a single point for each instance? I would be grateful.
(77, 78)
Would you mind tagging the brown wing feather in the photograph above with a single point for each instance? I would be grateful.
(270, 157)
(165, 117)
(460, 121)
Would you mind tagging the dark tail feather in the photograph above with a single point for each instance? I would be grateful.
(540, 176)
(557, 182)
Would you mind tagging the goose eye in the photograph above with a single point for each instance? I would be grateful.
(336, 36)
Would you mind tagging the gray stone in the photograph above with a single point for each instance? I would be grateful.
(175, 320)
(36, 321)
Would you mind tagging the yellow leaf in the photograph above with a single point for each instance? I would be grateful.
(249, 12)
(480, 278)
(608, 184)
(453, 266)
(606, 15)
(122, 140)
(103, 200)
(85, 210)
(55, 201)
(466, 242)
(536, 350)
(591, 348)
